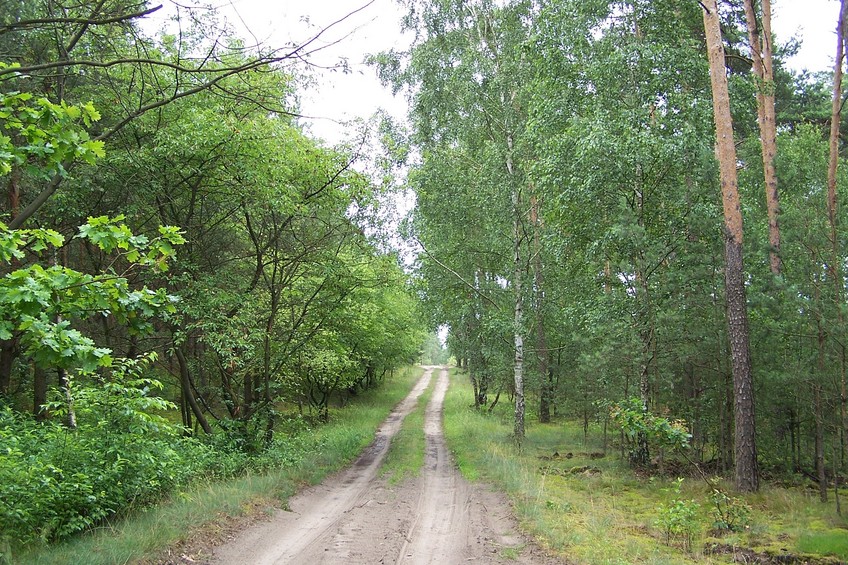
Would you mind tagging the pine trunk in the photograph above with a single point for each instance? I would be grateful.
(835, 271)
(746, 475)
(761, 54)
(821, 475)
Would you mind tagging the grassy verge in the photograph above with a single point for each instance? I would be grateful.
(406, 453)
(591, 507)
(152, 531)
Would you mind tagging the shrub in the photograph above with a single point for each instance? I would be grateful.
(678, 518)
(730, 513)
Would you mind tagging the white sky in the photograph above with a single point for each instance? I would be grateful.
(335, 97)
(813, 21)
(338, 97)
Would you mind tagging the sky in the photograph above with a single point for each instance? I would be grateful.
(337, 97)
(813, 21)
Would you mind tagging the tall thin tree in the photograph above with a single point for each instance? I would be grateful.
(761, 55)
(835, 271)
(746, 475)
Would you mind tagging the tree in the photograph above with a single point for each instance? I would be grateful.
(760, 38)
(746, 475)
(836, 260)
(60, 52)
(466, 67)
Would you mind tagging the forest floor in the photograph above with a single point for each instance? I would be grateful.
(577, 496)
(358, 516)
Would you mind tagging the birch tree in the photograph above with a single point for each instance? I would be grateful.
(464, 71)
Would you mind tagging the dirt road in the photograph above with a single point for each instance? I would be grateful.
(355, 517)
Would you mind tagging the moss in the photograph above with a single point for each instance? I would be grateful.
(608, 515)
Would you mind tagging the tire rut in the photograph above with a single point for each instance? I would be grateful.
(315, 511)
(356, 517)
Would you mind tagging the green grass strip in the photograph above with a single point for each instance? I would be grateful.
(149, 532)
(406, 452)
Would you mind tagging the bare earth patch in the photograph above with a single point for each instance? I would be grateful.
(356, 517)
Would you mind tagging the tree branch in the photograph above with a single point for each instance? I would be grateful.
(27, 24)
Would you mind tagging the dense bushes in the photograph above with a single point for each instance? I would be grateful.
(55, 481)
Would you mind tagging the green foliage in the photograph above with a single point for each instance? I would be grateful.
(44, 137)
(610, 515)
(40, 304)
(56, 481)
(678, 518)
(635, 420)
(304, 455)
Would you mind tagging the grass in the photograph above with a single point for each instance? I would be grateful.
(147, 533)
(592, 508)
(406, 452)
(831, 542)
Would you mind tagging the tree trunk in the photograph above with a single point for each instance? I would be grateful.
(746, 475)
(518, 320)
(14, 191)
(817, 399)
(835, 271)
(8, 351)
(761, 54)
(821, 475)
(188, 393)
(546, 396)
(39, 394)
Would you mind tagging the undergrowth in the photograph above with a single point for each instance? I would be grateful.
(588, 505)
(306, 457)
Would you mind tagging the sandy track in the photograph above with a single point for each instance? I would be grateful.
(355, 517)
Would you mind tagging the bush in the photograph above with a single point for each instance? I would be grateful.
(56, 481)
(678, 518)
(730, 514)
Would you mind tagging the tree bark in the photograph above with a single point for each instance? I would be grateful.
(746, 473)
(39, 394)
(761, 54)
(821, 474)
(835, 271)
(518, 319)
(14, 191)
(8, 350)
(817, 403)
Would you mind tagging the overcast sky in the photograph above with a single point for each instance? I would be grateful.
(337, 97)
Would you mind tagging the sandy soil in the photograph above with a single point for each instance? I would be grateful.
(356, 517)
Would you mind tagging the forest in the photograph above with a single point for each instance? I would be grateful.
(626, 216)
(581, 221)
